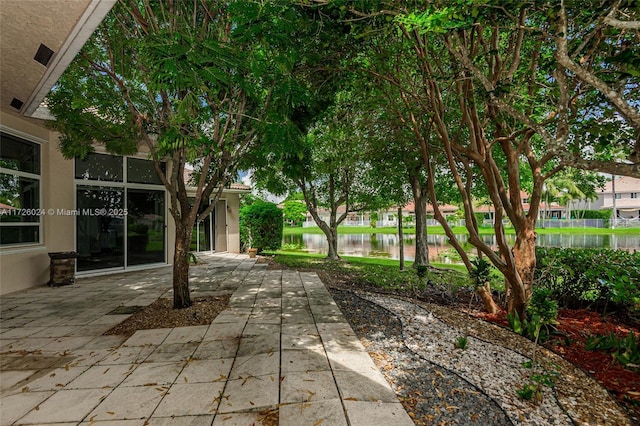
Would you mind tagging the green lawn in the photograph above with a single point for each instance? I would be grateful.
(383, 273)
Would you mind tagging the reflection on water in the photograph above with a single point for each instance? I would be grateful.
(387, 245)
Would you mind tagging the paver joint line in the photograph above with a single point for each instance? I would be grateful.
(232, 368)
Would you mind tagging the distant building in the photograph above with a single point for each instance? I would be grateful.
(627, 197)
(387, 217)
(552, 210)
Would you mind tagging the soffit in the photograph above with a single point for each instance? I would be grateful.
(61, 25)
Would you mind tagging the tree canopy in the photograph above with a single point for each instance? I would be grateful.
(190, 84)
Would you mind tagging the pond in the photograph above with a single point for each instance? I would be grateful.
(387, 245)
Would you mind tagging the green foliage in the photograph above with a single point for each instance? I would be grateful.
(291, 247)
(261, 226)
(422, 271)
(461, 342)
(599, 277)
(591, 214)
(624, 350)
(192, 259)
(294, 212)
(480, 272)
(533, 389)
(539, 324)
(529, 392)
(541, 305)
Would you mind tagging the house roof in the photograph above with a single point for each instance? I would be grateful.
(6, 207)
(233, 187)
(444, 208)
(623, 184)
(61, 26)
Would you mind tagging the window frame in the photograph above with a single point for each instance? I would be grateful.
(25, 137)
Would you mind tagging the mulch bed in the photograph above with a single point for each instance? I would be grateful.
(578, 325)
(160, 314)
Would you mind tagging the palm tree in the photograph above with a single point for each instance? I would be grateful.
(563, 189)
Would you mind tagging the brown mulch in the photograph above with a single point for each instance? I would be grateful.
(578, 325)
(160, 314)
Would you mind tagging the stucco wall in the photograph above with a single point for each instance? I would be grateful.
(28, 265)
(233, 222)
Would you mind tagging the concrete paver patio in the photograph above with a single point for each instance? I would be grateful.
(281, 348)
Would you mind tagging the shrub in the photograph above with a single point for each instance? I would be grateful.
(139, 228)
(261, 226)
(480, 272)
(625, 350)
(591, 214)
(594, 277)
(540, 320)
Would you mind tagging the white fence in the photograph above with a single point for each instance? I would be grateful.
(546, 223)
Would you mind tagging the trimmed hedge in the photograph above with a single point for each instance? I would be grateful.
(261, 226)
(596, 278)
(591, 214)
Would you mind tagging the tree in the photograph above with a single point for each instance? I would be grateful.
(503, 111)
(571, 185)
(598, 43)
(294, 212)
(188, 82)
(329, 168)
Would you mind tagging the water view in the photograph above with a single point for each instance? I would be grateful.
(387, 245)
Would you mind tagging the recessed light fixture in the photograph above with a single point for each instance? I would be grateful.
(43, 55)
(16, 103)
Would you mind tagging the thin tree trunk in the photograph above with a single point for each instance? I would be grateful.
(181, 296)
(487, 299)
(401, 238)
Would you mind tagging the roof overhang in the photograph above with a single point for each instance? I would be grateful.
(40, 38)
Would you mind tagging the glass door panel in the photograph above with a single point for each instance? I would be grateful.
(100, 228)
(145, 227)
(201, 239)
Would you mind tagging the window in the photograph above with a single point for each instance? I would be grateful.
(100, 167)
(19, 191)
(634, 195)
(142, 171)
(618, 196)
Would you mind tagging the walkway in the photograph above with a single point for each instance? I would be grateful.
(282, 353)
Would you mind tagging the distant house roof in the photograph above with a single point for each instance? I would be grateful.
(6, 207)
(444, 208)
(236, 186)
(623, 184)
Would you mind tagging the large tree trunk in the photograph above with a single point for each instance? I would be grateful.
(181, 296)
(420, 200)
(521, 284)
(332, 240)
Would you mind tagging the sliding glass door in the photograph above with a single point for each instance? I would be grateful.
(121, 213)
(145, 227)
(100, 227)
